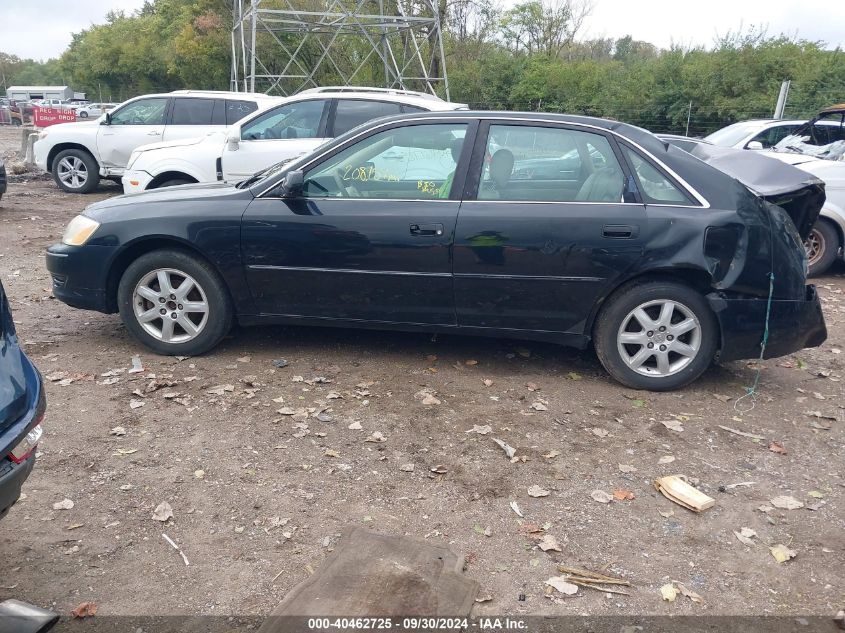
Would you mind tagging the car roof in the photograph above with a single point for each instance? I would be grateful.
(429, 102)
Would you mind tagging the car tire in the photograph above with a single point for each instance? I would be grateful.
(203, 310)
(76, 171)
(175, 182)
(83, 115)
(632, 318)
(822, 246)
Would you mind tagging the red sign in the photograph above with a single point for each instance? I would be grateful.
(43, 117)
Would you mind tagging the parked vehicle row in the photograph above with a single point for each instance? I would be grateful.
(573, 230)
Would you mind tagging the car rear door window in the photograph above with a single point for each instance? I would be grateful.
(655, 187)
(237, 109)
(192, 111)
(414, 162)
(549, 164)
(351, 113)
(292, 120)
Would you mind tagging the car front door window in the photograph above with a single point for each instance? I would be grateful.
(414, 162)
(141, 112)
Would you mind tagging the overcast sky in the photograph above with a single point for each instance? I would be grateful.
(42, 28)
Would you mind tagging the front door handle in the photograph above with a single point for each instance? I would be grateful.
(426, 229)
(620, 231)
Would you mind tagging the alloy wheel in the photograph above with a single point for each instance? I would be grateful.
(170, 305)
(659, 338)
(815, 246)
(73, 172)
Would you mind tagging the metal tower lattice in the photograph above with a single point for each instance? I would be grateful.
(281, 48)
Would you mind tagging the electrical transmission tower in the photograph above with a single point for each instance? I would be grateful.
(279, 48)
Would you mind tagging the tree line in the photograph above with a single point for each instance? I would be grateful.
(527, 57)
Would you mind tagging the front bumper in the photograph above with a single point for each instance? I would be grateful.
(135, 181)
(71, 270)
(793, 325)
(41, 150)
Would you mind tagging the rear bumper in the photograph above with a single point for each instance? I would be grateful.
(13, 475)
(793, 325)
(70, 269)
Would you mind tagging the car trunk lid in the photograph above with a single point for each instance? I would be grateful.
(797, 192)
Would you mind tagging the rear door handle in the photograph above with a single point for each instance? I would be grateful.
(426, 229)
(620, 231)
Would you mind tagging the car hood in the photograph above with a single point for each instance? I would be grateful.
(211, 137)
(193, 192)
(798, 192)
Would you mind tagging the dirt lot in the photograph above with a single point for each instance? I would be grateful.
(259, 498)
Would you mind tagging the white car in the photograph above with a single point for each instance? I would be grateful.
(757, 133)
(94, 109)
(295, 126)
(79, 154)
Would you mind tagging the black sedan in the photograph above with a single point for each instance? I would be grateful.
(420, 223)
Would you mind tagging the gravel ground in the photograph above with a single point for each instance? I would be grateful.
(259, 497)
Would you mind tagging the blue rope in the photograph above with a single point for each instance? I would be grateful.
(752, 390)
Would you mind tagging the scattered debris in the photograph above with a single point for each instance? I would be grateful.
(163, 512)
(515, 508)
(676, 489)
(742, 433)
(407, 468)
(539, 405)
(777, 447)
(481, 430)
(782, 553)
(548, 543)
(377, 438)
(666, 459)
(136, 404)
(627, 468)
(510, 451)
(673, 425)
(137, 366)
(176, 547)
(439, 469)
(537, 491)
(592, 580)
(355, 426)
(599, 432)
(562, 585)
(601, 496)
(64, 504)
(688, 593)
(623, 495)
(745, 536)
(119, 431)
(785, 502)
(86, 609)
(280, 362)
(219, 390)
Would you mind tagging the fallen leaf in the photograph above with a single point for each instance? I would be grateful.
(471, 362)
(551, 454)
(599, 432)
(745, 536)
(786, 503)
(85, 610)
(377, 437)
(666, 459)
(539, 406)
(638, 403)
(573, 375)
(163, 512)
(689, 593)
(782, 553)
(407, 468)
(355, 426)
(487, 382)
(510, 451)
(439, 469)
(627, 468)
(331, 453)
(562, 584)
(537, 491)
(481, 430)
(673, 425)
(199, 474)
(815, 494)
(515, 508)
(64, 504)
(119, 431)
(601, 496)
(722, 398)
(548, 543)
(136, 404)
(669, 592)
(623, 495)
(219, 390)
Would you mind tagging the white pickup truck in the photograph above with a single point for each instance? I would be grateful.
(291, 127)
(79, 154)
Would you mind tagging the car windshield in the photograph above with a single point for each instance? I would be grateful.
(733, 134)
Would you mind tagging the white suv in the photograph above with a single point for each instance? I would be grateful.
(287, 129)
(79, 154)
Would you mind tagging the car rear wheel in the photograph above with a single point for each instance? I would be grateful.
(76, 171)
(656, 335)
(174, 303)
(822, 246)
(83, 114)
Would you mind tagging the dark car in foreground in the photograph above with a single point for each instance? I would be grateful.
(659, 260)
(22, 406)
(3, 179)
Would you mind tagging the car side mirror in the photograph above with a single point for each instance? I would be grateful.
(233, 141)
(754, 145)
(107, 119)
(294, 184)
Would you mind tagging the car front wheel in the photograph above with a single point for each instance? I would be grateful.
(656, 335)
(76, 171)
(174, 303)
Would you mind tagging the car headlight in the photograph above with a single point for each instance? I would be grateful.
(80, 229)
